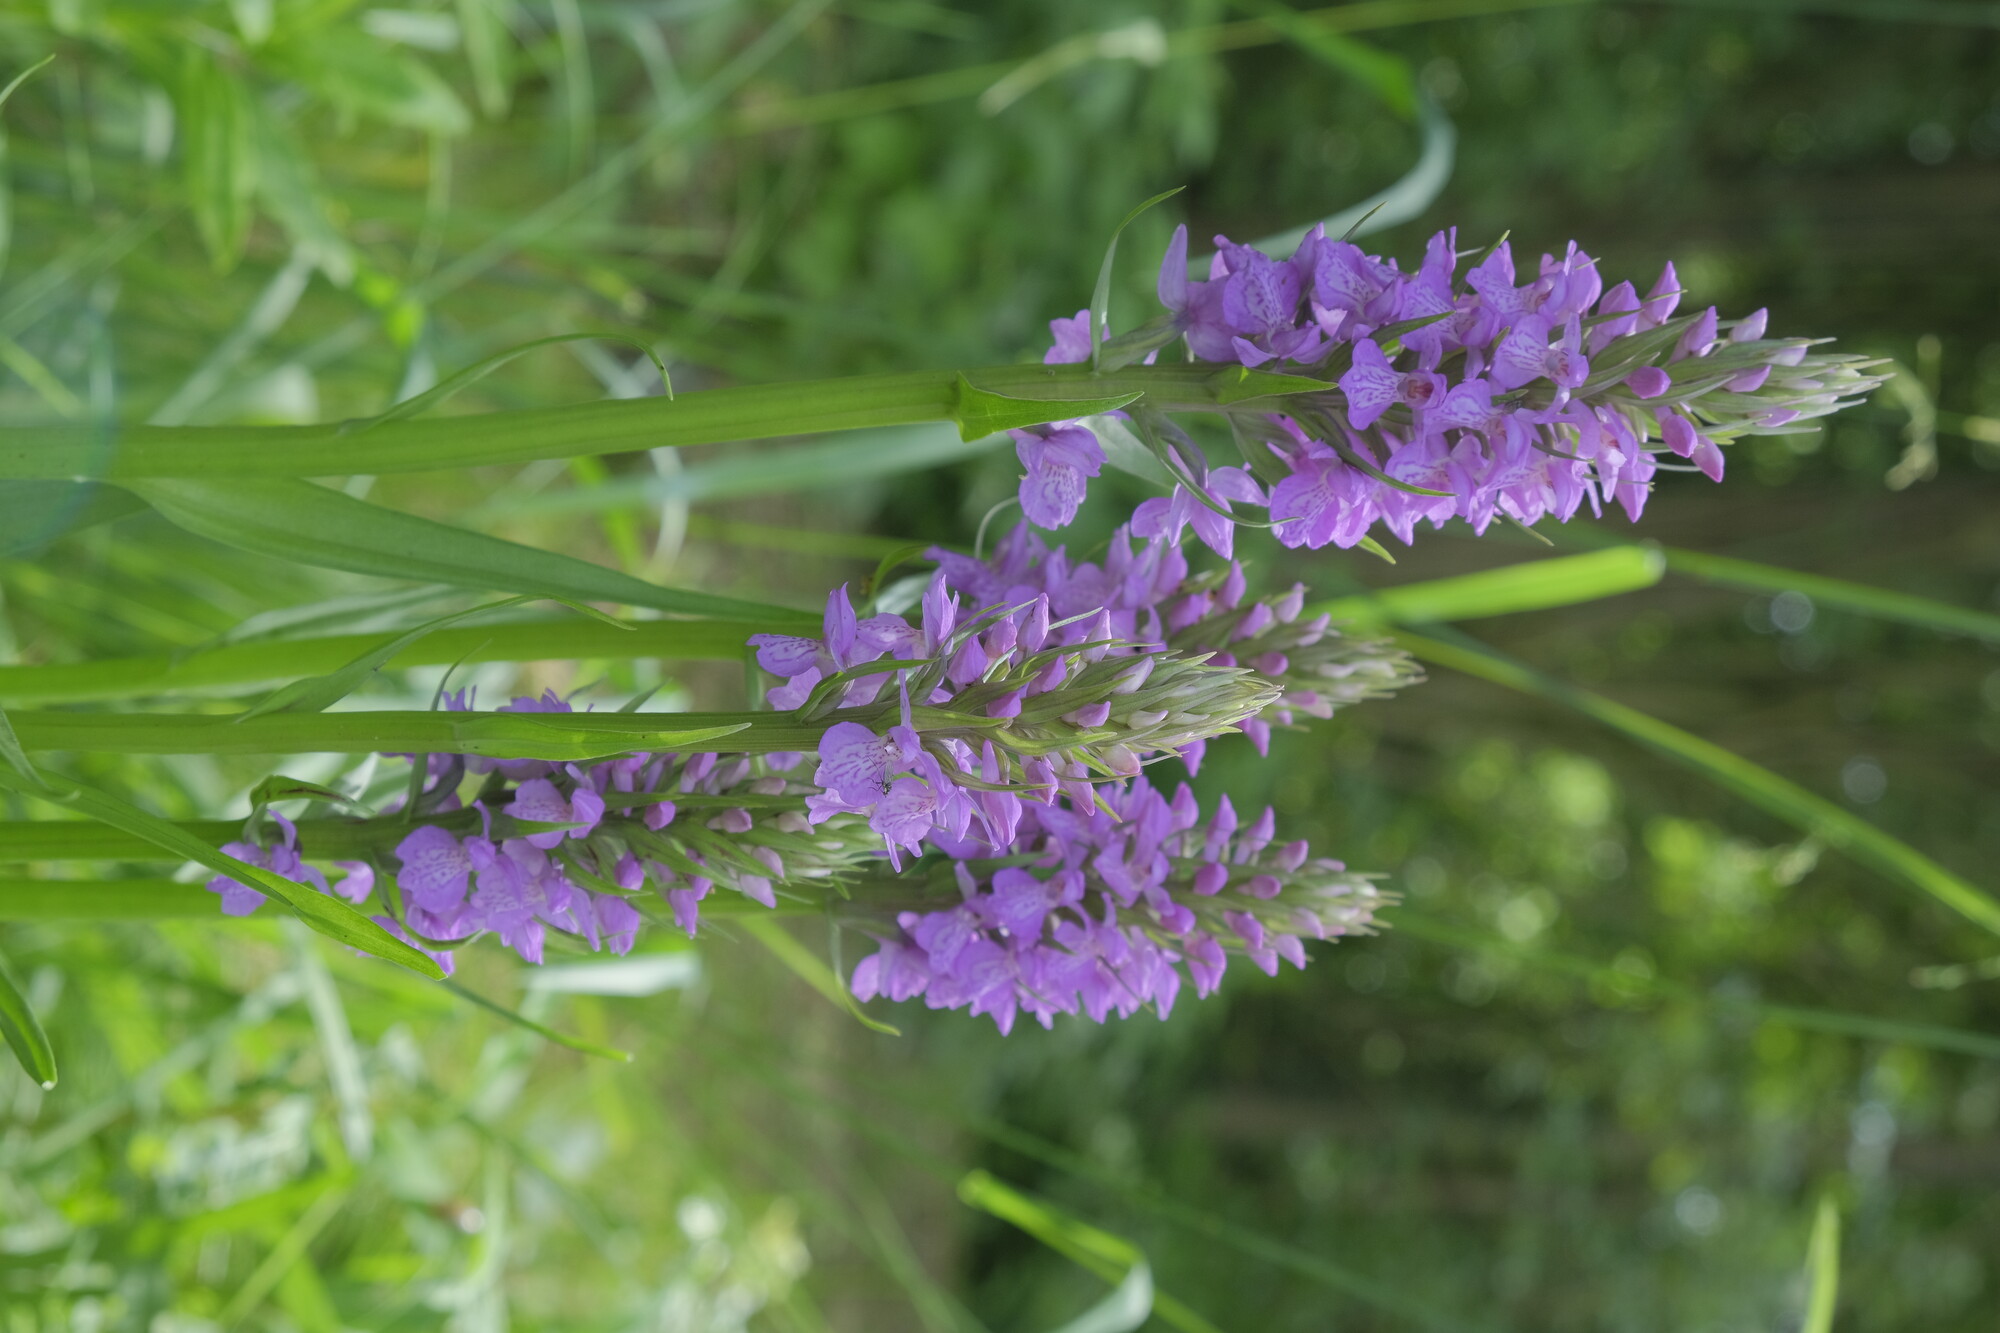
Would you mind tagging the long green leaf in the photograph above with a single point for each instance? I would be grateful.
(808, 967)
(712, 416)
(23, 1030)
(244, 664)
(108, 900)
(216, 113)
(284, 519)
(1110, 1257)
(35, 512)
(1534, 585)
(522, 1020)
(328, 915)
(1759, 786)
(567, 737)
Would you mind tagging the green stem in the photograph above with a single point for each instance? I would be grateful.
(714, 416)
(107, 900)
(246, 664)
(560, 737)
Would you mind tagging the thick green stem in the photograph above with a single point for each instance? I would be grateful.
(714, 416)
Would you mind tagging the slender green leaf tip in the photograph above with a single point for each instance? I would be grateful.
(578, 1044)
(1100, 297)
(23, 77)
(23, 1030)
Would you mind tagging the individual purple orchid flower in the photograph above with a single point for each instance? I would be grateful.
(1168, 516)
(1060, 461)
(1372, 386)
(1525, 355)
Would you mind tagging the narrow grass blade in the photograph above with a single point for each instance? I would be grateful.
(328, 915)
(1100, 296)
(1883, 603)
(1759, 786)
(285, 519)
(317, 693)
(1534, 585)
(806, 965)
(289, 1250)
(21, 78)
(1823, 1268)
(838, 461)
(1383, 73)
(108, 900)
(11, 751)
(521, 1020)
(244, 664)
(455, 384)
(23, 1030)
(1110, 1257)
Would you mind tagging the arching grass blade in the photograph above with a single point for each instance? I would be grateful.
(1534, 585)
(1759, 786)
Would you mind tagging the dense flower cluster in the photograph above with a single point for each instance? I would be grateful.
(1152, 601)
(576, 848)
(1449, 394)
(964, 784)
(1100, 907)
(959, 719)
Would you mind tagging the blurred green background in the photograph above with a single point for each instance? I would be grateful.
(1565, 1094)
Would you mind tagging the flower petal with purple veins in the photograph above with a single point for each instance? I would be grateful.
(785, 654)
(436, 869)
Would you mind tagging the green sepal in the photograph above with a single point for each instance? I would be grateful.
(1239, 384)
(980, 413)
